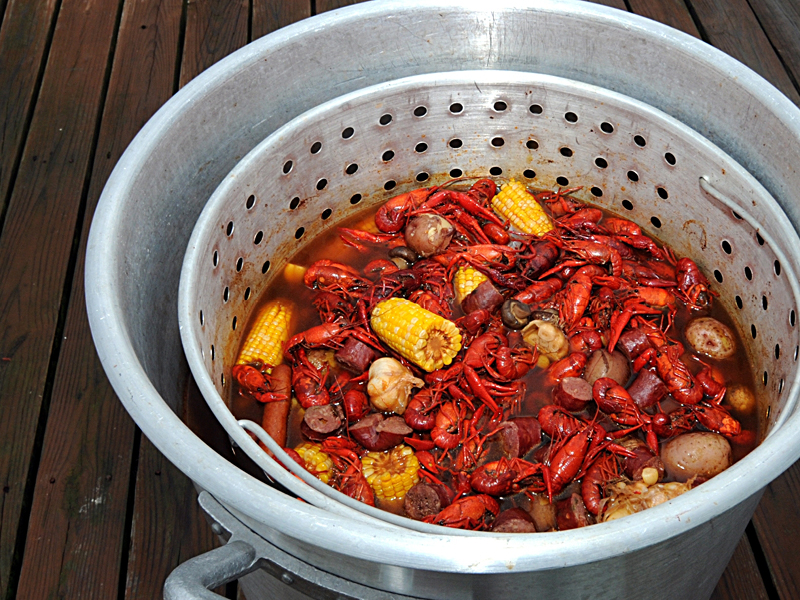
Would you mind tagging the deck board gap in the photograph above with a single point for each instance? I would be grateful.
(181, 43)
(250, 21)
(697, 22)
(761, 562)
(29, 116)
(127, 539)
(313, 7)
(780, 56)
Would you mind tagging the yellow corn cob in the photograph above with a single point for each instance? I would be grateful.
(423, 337)
(466, 280)
(519, 206)
(269, 332)
(317, 462)
(392, 473)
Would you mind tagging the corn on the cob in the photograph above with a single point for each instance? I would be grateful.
(269, 332)
(317, 462)
(423, 337)
(466, 280)
(392, 473)
(516, 204)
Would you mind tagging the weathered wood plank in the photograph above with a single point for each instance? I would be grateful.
(168, 525)
(778, 529)
(731, 26)
(37, 239)
(620, 4)
(269, 15)
(781, 22)
(326, 5)
(741, 579)
(24, 34)
(214, 29)
(669, 12)
(78, 516)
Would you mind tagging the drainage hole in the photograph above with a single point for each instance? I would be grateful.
(455, 143)
(496, 171)
(265, 267)
(662, 193)
(670, 158)
(229, 229)
(777, 268)
(326, 214)
(529, 173)
(456, 173)
(258, 237)
(355, 198)
(606, 127)
(299, 233)
(294, 203)
(225, 294)
(456, 107)
(222, 379)
(247, 294)
(287, 166)
(764, 302)
(500, 106)
(718, 275)
(596, 191)
(736, 215)
(536, 109)
(562, 181)
(656, 222)
(202, 320)
(765, 378)
(387, 156)
(753, 331)
(348, 132)
(239, 264)
(385, 119)
(351, 168)
(777, 351)
(421, 147)
(215, 258)
(233, 324)
(532, 145)
(423, 176)
(498, 142)
(601, 162)
(739, 303)
(640, 141)
(792, 318)
(726, 247)
(420, 111)
(627, 205)
(748, 273)
(316, 147)
(571, 117)
(321, 184)
(251, 201)
(759, 239)
(389, 185)
(213, 352)
(566, 152)
(633, 176)
(780, 386)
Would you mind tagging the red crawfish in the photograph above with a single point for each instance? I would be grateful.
(509, 476)
(469, 512)
(348, 477)
(394, 213)
(676, 375)
(615, 401)
(692, 283)
(309, 382)
(603, 470)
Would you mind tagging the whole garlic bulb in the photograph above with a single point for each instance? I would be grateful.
(390, 385)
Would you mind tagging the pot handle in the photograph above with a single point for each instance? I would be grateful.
(192, 579)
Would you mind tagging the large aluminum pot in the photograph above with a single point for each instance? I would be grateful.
(159, 187)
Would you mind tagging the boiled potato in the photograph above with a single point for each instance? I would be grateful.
(696, 454)
(708, 336)
(740, 398)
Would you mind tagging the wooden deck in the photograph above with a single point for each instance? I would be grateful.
(89, 508)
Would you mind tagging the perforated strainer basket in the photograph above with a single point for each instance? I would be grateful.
(364, 147)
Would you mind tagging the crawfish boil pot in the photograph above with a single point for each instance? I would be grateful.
(326, 548)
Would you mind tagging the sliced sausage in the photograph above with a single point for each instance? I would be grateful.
(519, 435)
(513, 520)
(355, 355)
(484, 296)
(647, 389)
(572, 394)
